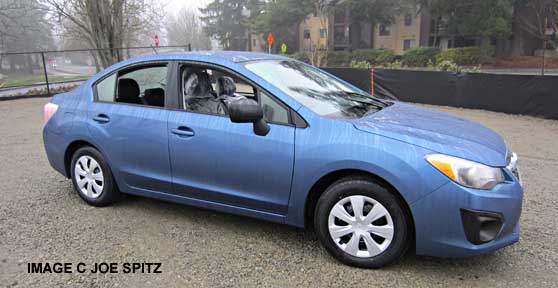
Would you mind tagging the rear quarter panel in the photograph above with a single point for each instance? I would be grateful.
(58, 131)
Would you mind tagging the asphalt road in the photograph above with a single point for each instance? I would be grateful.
(43, 219)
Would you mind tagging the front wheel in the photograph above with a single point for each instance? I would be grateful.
(361, 223)
(92, 177)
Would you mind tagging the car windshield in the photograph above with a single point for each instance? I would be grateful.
(315, 89)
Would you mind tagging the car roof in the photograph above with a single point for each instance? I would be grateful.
(217, 57)
(232, 56)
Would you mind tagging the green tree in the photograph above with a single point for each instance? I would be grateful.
(229, 22)
(486, 18)
(439, 11)
(374, 12)
(282, 17)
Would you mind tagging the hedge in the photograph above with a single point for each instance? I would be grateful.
(300, 56)
(417, 57)
(375, 57)
(467, 55)
(338, 58)
(420, 57)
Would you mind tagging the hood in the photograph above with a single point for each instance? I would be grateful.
(438, 132)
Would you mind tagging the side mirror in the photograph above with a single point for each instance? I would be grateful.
(248, 111)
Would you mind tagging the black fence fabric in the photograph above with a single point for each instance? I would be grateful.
(512, 94)
(360, 77)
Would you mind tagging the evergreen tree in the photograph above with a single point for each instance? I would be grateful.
(228, 21)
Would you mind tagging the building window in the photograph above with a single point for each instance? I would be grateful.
(306, 34)
(408, 44)
(408, 20)
(384, 30)
(253, 42)
(339, 36)
(323, 33)
(339, 16)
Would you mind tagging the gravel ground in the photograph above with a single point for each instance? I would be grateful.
(42, 219)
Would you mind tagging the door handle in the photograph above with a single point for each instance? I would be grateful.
(183, 131)
(101, 118)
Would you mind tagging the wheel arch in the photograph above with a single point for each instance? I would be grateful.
(71, 149)
(325, 181)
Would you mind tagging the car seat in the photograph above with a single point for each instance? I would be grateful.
(128, 91)
(154, 97)
(198, 94)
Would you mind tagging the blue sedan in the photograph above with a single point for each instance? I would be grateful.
(269, 137)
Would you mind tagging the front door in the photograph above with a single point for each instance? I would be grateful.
(215, 160)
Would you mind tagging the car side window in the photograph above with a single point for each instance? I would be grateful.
(206, 90)
(142, 86)
(106, 89)
(273, 111)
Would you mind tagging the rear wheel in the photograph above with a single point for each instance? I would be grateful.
(92, 177)
(361, 223)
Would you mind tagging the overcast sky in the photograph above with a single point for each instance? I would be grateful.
(173, 6)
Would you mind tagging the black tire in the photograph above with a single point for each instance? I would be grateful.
(350, 186)
(109, 192)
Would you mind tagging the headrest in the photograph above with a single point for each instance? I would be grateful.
(128, 91)
(197, 84)
(155, 97)
(191, 84)
(225, 86)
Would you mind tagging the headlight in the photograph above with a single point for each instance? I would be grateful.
(467, 173)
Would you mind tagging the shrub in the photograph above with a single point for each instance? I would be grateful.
(360, 64)
(467, 55)
(338, 58)
(300, 56)
(395, 65)
(374, 56)
(420, 57)
(448, 66)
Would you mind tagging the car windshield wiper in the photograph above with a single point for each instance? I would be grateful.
(373, 110)
(376, 105)
(368, 98)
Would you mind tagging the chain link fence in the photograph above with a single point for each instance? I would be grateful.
(44, 73)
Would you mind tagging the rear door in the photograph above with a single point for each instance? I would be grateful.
(128, 120)
(216, 160)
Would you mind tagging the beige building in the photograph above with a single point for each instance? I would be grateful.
(409, 31)
(312, 33)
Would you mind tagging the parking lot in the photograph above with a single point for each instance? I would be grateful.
(43, 220)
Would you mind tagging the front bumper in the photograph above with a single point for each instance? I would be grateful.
(490, 220)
